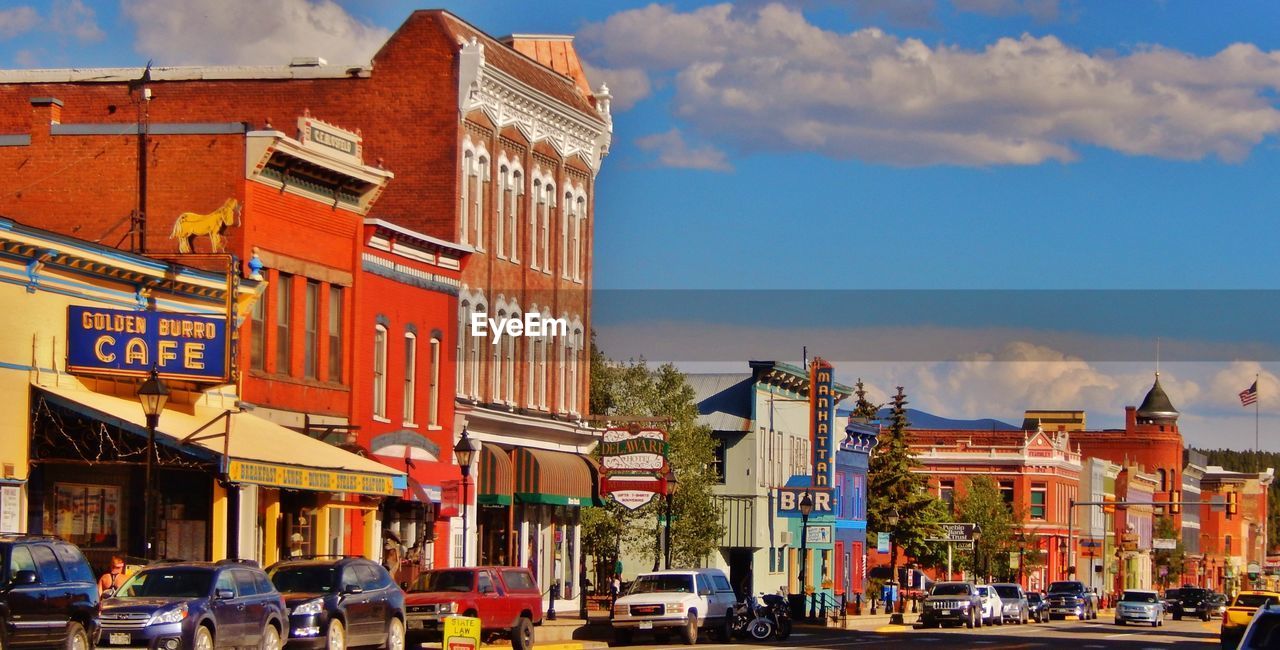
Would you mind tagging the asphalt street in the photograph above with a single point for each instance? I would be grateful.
(1078, 635)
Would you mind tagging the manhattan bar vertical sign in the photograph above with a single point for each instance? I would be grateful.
(822, 403)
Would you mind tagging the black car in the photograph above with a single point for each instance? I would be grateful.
(1037, 607)
(196, 606)
(49, 597)
(1192, 601)
(337, 602)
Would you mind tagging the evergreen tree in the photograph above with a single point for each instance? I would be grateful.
(863, 408)
(894, 487)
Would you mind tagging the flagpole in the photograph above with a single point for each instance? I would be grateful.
(1256, 416)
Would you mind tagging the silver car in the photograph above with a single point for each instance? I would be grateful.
(1140, 606)
(1013, 602)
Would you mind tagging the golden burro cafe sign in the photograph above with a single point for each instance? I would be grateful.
(121, 342)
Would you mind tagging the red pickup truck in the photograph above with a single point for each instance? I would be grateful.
(505, 599)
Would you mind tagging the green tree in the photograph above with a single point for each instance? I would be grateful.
(982, 504)
(1173, 560)
(864, 408)
(895, 489)
(633, 389)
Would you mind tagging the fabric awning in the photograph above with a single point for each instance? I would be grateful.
(552, 477)
(495, 477)
(251, 449)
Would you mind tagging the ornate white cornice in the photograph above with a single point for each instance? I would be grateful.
(507, 101)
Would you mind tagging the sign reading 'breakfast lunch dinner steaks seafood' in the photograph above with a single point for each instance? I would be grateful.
(635, 463)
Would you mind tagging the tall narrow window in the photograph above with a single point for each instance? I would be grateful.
(258, 330)
(410, 375)
(566, 224)
(311, 332)
(510, 367)
(500, 208)
(464, 334)
(474, 371)
(515, 209)
(543, 373)
(579, 237)
(575, 343)
(433, 397)
(535, 216)
(530, 363)
(1038, 501)
(284, 343)
(544, 228)
(464, 216)
(562, 377)
(481, 190)
(947, 494)
(380, 372)
(496, 365)
(1006, 492)
(335, 334)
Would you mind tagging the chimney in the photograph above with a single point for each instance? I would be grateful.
(45, 111)
(1130, 418)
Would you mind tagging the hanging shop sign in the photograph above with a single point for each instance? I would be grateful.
(822, 403)
(634, 461)
(882, 542)
(132, 343)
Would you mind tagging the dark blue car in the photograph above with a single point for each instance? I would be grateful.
(196, 606)
(340, 602)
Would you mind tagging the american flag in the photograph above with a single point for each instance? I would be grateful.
(1249, 395)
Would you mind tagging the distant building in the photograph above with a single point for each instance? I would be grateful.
(1054, 420)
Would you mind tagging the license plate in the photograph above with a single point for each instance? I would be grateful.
(646, 625)
(945, 612)
(427, 625)
(119, 638)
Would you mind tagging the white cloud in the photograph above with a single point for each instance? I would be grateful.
(26, 58)
(627, 85)
(1226, 385)
(17, 21)
(74, 18)
(250, 32)
(673, 151)
(768, 79)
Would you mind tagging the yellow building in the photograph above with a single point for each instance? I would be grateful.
(82, 327)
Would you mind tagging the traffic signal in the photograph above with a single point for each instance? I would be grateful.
(1175, 505)
(1109, 505)
(1233, 505)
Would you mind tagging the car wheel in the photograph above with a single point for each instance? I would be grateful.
(621, 637)
(969, 623)
(203, 640)
(522, 634)
(395, 635)
(270, 638)
(690, 631)
(77, 638)
(1119, 621)
(336, 639)
(1000, 620)
(1177, 617)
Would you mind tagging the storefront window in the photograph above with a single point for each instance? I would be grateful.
(87, 515)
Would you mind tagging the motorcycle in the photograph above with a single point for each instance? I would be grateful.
(781, 612)
(752, 620)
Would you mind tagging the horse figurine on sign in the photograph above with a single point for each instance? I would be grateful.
(213, 224)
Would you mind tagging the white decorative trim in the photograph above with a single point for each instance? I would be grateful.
(507, 101)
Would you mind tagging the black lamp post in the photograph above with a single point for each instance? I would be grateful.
(892, 520)
(462, 454)
(977, 553)
(1062, 557)
(153, 395)
(671, 488)
(806, 509)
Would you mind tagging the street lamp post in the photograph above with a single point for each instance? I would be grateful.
(462, 454)
(1063, 559)
(977, 538)
(671, 488)
(806, 508)
(892, 520)
(153, 395)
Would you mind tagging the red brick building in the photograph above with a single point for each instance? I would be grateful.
(496, 145)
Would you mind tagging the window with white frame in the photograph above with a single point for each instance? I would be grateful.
(542, 371)
(567, 217)
(515, 207)
(478, 201)
(579, 236)
(496, 355)
(433, 395)
(475, 358)
(468, 190)
(562, 353)
(410, 375)
(530, 354)
(575, 344)
(544, 227)
(500, 211)
(380, 371)
(464, 333)
(509, 367)
(534, 215)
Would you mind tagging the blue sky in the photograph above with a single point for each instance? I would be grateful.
(877, 144)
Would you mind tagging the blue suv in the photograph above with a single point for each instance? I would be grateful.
(338, 602)
(196, 606)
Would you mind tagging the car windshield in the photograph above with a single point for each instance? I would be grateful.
(303, 579)
(1253, 600)
(1033, 597)
(1007, 592)
(984, 591)
(459, 581)
(1064, 586)
(1137, 597)
(951, 589)
(662, 583)
(167, 583)
(1264, 633)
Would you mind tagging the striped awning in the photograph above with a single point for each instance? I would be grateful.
(553, 477)
(494, 481)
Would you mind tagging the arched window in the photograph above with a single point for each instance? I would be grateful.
(464, 333)
(515, 209)
(509, 365)
(534, 216)
(566, 226)
(380, 372)
(1164, 483)
(433, 397)
(496, 372)
(468, 191)
(475, 359)
(542, 371)
(500, 216)
(544, 227)
(579, 236)
(575, 344)
(562, 357)
(410, 375)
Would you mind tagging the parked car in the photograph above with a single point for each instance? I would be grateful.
(50, 597)
(505, 599)
(339, 602)
(1241, 611)
(992, 606)
(687, 600)
(1191, 602)
(1037, 607)
(952, 602)
(1263, 632)
(1072, 598)
(1171, 597)
(1216, 604)
(1013, 602)
(197, 605)
(1140, 606)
